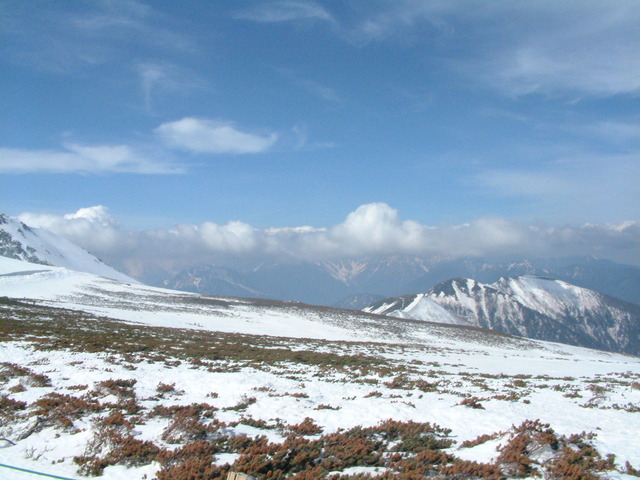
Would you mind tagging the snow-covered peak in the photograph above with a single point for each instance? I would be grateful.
(530, 306)
(39, 246)
(547, 295)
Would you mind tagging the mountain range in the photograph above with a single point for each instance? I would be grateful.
(355, 283)
(529, 306)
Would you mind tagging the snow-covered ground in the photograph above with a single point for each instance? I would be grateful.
(61, 287)
(264, 366)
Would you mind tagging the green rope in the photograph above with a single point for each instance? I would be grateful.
(35, 473)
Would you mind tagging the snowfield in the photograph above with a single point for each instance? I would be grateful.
(92, 369)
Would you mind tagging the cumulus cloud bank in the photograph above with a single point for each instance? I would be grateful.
(370, 230)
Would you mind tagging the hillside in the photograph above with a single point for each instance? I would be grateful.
(128, 381)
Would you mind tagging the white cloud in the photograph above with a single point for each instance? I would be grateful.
(97, 215)
(376, 228)
(233, 237)
(284, 11)
(372, 229)
(213, 136)
(93, 228)
(191, 134)
(76, 158)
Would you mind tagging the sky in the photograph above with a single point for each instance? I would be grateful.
(324, 128)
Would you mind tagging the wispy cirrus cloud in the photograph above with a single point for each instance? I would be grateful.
(200, 135)
(284, 11)
(548, 48)
(544, 47)
(77, 158)
(60, 39)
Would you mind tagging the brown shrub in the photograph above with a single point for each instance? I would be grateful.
(412, 436)
(324, 406)
(425, 464)
(78, 387)
(630, 470)
(112, 444)
(472, 402)
(9, 405)
(61, 410)
(464, 469)
(374, 393)
(186, 422)
(306, 427)
(298, 394)
(355, 447)
(526, 439)
(17, 388)
(10, 370)
(166, 388)
(244, 403)
(579, 460)
(276, 461)
(119, 387)
(480, 440)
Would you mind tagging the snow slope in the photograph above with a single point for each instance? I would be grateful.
(60, 287)
(38, 245)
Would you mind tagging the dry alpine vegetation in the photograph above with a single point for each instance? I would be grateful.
(84, 395)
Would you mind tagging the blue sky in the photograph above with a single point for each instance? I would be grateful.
(292, 113)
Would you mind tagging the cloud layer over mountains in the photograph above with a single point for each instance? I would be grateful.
(370, 230)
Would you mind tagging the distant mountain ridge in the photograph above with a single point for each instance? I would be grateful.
(35, 245)
(529, 306)
(355, 282)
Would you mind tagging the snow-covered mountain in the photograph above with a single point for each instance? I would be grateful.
(529, 306)
(605, 276)
(39, 246)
